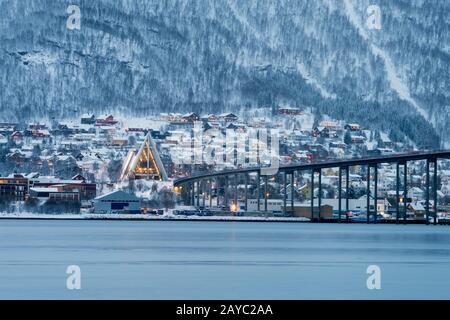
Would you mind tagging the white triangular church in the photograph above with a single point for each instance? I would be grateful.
(144, 163)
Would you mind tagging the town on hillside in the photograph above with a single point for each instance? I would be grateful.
(116, 164)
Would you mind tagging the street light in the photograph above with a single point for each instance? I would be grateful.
(234, 207)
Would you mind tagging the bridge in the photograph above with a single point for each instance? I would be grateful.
(194, 186)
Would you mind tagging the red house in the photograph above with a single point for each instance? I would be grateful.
(40, 134)
(107, 121)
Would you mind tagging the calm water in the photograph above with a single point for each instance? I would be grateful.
(221, 260)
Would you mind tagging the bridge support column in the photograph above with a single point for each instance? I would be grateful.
(284, 192)
(405, 192)
(258, 189)
(312, 194)
(198, 194)
(397, 193)
(319, 200)
(235, 189)
(292, 191)
(435, 189)
(217, 191)
(225, 191)
(188, 191)
(246, 191)
(266, 178)
(210, 192)
(368, 194)
(347, 190)
(375, 193)
(188, 195)
(204, 193)
(427, 193)
(340, 194)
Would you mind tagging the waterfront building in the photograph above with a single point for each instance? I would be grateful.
(77, 184)
(14, 187)
(117, 202)
(55, 194)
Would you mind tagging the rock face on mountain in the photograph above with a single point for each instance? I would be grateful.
(206, 55)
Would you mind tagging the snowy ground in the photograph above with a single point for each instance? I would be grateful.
(167, 216)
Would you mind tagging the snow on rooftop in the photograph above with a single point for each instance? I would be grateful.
(145, 123)
(384, 137)
(39, 189)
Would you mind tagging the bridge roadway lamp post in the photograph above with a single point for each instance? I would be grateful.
(188, 194)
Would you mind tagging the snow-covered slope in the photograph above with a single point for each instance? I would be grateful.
(206, 55)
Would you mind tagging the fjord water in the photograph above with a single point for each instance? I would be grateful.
(221, 260)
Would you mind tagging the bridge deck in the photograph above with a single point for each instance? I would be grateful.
(398, 158)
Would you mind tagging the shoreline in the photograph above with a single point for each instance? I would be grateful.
(200, 219)
(151, 218)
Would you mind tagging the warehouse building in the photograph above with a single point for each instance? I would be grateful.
(119, 202)
(14, 187)
(55, 194)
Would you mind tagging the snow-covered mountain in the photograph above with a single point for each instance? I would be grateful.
(208, 55)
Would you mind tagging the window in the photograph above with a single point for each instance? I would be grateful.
(43, 195)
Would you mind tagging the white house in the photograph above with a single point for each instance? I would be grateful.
(416, 193)
(359, 204)
(3, 139)
(273, 205)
